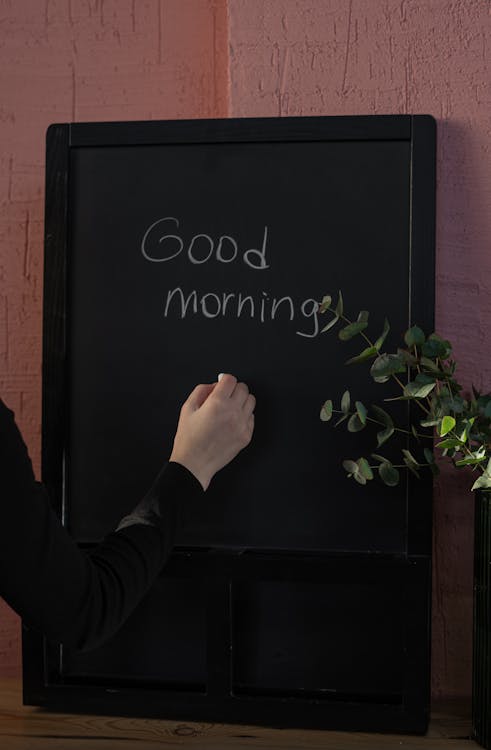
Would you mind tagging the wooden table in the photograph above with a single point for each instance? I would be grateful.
(27, 728)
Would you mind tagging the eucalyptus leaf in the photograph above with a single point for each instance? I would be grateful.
(429, 364)
(449, 443)
(448, 423)
(355, 424)
(414, 336)
(350, 466)
(435, 346)
(367, 353)
(470, 461)
(484, 482)
(386, 419)
(364, 468)
(382, 415)
(345, 402)
(386, 365)
(325, 304)
(340, 306)
(379, 342)
(326, 411)
(388, 474)
(418, 390)
(330, 325)
(410, 462)
(347, 333)
(361, 411)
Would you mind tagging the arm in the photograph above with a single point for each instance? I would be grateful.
(82, 599)
(74, 597)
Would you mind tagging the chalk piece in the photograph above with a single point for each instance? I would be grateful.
(220, 376)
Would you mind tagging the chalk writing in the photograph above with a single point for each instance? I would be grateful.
(158, 247)
(164, 247)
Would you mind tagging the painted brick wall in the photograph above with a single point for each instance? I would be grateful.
(348, 57)
(84, 60)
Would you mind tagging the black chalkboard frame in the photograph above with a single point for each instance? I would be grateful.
(44, 682)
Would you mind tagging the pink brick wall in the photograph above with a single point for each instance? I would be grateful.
(349, 57)
(64, 60)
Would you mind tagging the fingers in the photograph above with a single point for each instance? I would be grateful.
(249, 404)
(198, 396)
(226, 386)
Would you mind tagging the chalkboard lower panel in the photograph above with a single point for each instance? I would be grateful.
(229, 645)
(353, 647)
(163, 643)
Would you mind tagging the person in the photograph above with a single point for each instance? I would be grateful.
(81, 598)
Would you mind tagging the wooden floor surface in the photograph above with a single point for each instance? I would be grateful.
(28, 728)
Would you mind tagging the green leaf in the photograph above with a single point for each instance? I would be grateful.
(347, 333)
(386, 419)
(326, 411)
(386, 365)
(415, 432)
(429, 422)
(414, 336)
(331, 324)
(350, 466)
(435, 346)
(361, 411)
(340, 306)
(470, 461)
(388, 474)
(408, 358)
(429, 455)
(449, 443)
(384, 435)
(429, 364)
(380, 458)
(325, 304)
(448, 423)
(345, 402)
(364, 468)
(355, 424)
(363, 316)
(484, 482)
(410, 462)
(382, 416)
(431, 460)
(383, 336)
(418, 390)
(367, 353)
(353, 469)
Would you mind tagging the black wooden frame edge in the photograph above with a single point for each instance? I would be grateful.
(54, 314)
(422, 311)
(343, 127)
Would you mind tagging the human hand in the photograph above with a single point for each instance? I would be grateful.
(216, 422)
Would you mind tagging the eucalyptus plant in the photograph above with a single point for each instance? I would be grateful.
(424, 372)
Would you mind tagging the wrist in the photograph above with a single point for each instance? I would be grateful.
(204, 477)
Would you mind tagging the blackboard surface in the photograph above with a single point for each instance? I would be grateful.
(177, 250)
(146, 327)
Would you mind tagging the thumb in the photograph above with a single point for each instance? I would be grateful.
(199, 395)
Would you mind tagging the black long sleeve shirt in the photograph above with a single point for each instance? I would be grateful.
(74, 597)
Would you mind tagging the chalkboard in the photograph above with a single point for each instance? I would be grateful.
(177, 250)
